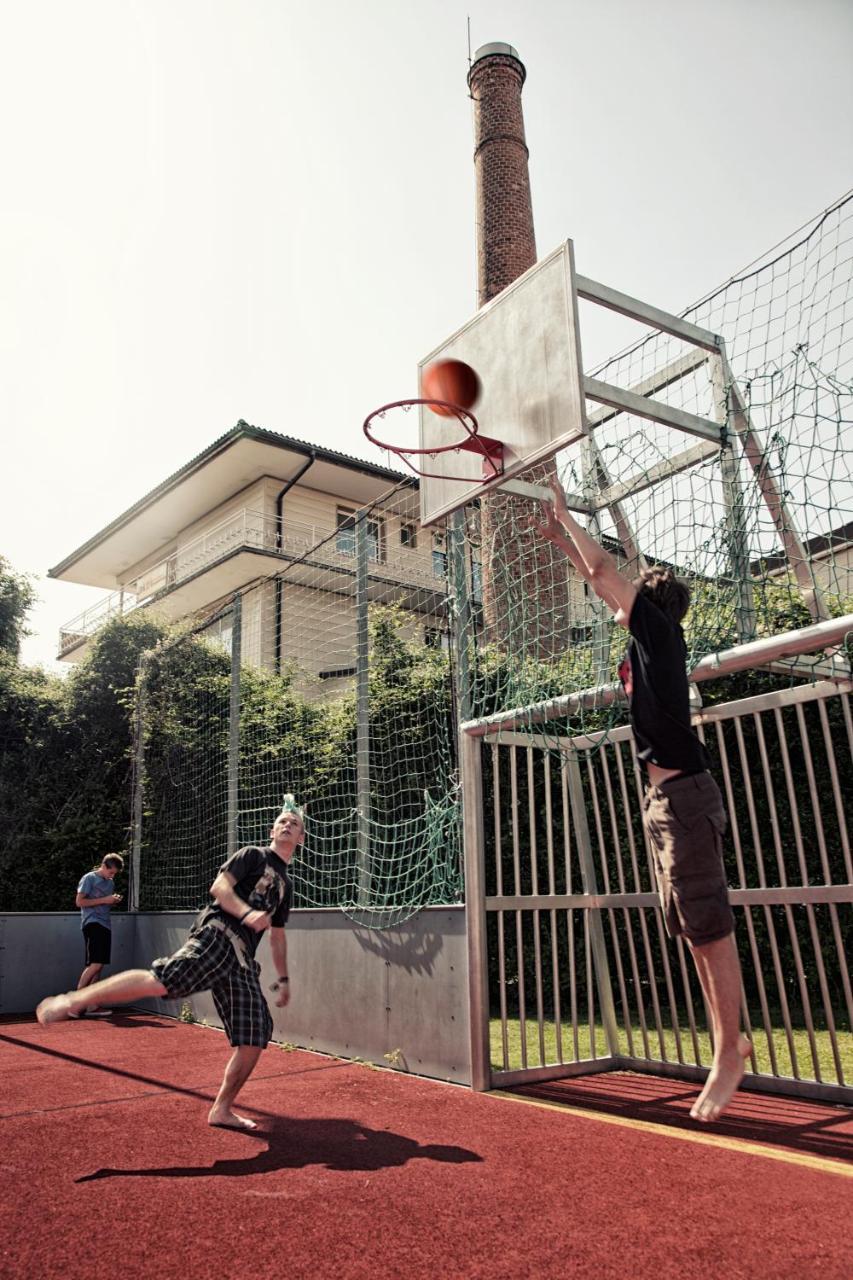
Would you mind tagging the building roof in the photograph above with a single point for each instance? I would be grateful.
(237, 459)
(835, 540)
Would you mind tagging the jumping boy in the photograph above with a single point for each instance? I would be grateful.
(683, 813)
(252, 893)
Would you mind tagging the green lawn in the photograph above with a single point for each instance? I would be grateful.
(783, 1066)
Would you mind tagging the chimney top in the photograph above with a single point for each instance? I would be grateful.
(498, 49)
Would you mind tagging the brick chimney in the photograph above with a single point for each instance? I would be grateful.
(521, 578)
(506, 243)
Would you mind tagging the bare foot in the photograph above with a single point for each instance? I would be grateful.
(54, 1009)
(229, 1120)
(722, 1083)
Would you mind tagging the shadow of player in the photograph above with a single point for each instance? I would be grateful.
(294, 1144)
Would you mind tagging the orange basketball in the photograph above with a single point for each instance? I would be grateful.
(450, 380)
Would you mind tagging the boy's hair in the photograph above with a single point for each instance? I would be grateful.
(669, 592)
(289, 805)
(112, 860)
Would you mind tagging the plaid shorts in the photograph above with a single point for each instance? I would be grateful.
(211, 960)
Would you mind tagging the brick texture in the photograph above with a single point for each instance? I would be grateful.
(506, 243)
(523, 589)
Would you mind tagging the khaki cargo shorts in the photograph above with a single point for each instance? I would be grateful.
(685, 821)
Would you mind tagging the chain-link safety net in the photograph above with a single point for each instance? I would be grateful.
(356, 662)
(759, 523)
(333, 681)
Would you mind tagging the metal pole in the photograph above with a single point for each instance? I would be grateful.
(362, 550)
(463, 629)
(471, 764)
(590, 887)
(138, 785)
(733, 497)
(234, 723)
(598, 609)
(758, 653)
(773, 495)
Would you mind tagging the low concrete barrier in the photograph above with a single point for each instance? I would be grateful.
(395, 995)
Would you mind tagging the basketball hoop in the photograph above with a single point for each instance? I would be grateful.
(491, 451)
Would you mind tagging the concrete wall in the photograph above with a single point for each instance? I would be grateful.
(356, 992)
(43, 952)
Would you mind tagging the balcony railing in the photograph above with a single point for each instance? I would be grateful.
(246, 530)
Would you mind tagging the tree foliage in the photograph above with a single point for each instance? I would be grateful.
(17, 596)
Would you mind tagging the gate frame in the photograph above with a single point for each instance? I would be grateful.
(819, 636)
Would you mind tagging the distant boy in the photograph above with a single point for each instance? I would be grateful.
(95, 897)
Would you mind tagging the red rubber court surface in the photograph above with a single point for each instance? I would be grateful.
(109, 1170)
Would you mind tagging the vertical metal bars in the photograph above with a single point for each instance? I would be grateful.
(570, 893)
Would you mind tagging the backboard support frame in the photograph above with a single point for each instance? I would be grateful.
(560, 393)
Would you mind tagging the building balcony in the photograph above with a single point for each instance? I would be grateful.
(247, 546)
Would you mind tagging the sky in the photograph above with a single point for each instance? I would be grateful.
(262, 209)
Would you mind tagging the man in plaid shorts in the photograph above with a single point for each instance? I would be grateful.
(252, 893)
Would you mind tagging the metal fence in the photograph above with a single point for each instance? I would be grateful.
(570, 968)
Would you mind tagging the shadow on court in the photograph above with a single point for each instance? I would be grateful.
(338, 1144)
(796, 1125)
(205, 1091)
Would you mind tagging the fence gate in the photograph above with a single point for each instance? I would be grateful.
(570, 968)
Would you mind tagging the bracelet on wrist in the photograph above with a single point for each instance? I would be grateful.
(245, 913)
(279, 982)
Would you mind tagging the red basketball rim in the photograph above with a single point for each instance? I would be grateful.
(473, 442)
(465, 418)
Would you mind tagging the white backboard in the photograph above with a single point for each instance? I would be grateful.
(525, 346)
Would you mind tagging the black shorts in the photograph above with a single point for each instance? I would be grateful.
(98, 939)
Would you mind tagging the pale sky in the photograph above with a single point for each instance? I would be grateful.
(264, 209)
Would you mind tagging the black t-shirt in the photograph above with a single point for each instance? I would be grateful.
(261, 880)
(654, 676)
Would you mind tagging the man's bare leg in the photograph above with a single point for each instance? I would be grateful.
(718, 966)
(241, 1064)
(90, 974)
(121, 988)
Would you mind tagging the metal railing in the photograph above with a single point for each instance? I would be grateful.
(570, 967)
(244, 530)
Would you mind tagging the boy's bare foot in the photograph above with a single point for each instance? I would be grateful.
(223, 1119)
(54, 1009)
(722, 1083)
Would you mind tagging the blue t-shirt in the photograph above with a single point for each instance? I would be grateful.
(94, 886)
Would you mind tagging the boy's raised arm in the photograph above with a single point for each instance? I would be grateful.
(592, 561)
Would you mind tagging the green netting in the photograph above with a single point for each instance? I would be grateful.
(766, 545)
(359, 659)
(345, 698)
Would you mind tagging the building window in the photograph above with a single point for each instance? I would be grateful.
(409, 536)
(345, 537)
(221, 632)
(435, 638)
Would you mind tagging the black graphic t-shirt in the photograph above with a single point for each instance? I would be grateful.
(654, 677)
(262, 881)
